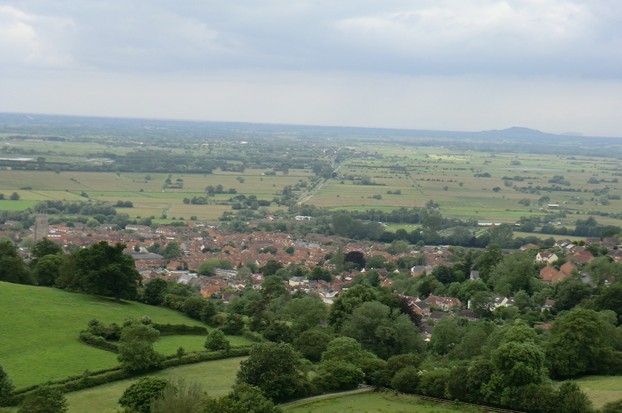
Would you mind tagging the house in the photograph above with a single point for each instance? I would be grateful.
(528, 247)
(444, 303)
(582, 257)
(474, 275)
(568, 269)
(551, 275)
(546, 257)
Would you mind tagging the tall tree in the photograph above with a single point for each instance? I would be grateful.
(104, 269)
(136, 352)
(276, 369)
(12, 267)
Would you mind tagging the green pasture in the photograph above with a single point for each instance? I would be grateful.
(40, 329)
(374, 402)
(215, 377)
(601, 389)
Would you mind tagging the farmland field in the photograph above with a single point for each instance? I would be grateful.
(215, 377)
(373, 402)
(44, 325)
(601, 389)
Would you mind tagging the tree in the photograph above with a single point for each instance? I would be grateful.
(138, 396)
(104, 269)
(579, 343)
(381, 330)
(45, 247)
(14, 196)
(47, 269)
(276, 369)
(136, 352)
(570, 293)
(154, 291)
(406, 380)
(172, 251)
(216, 340)
(12, 267)
(433, 383)
(312, 343)
(43, 399)
(338, 376)
(515, 272)
(572, 400)
(306, 312)
(487, 261)
(6, 387)
(244, 398)
(348, 301)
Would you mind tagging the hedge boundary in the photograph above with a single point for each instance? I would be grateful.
(92, 379)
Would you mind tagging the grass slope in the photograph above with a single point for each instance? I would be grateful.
(215, 377)
(39, 331)
(375, 403)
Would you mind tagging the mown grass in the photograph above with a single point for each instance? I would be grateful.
(39, 332)
(601, 389)
(375, 403)
(215, 377)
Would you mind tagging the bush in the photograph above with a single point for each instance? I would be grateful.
(433, 383)
(98, 341)
(338, 376)
(44, 400)
(406, 380)
(216, 340)
(179, 329)
(139, 395)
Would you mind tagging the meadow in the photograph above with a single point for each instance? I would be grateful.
(375, 402)
(601, 389)
(41, 325)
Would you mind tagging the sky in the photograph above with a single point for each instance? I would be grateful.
(552, 65)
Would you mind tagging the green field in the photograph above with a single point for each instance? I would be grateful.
(601, 389)
(40, 326)
(375, 403)
(215, 377)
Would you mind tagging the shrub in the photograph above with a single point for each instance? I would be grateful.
(140, 394)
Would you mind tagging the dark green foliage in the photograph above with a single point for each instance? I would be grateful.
(243, 399)
(306, 312)
(45, 247)
(6, 387)
(104, 269)
(406, 380)
(193, 306)
(12, 267)
(349, 350)
(381, 330)
(276, 369)
(216, 340)
(348, 301)
(154, 292)
(279, 332)
(433, 383)
(569, 293)
(571, 399)
(338, 376)
(233, 325)
(513, 273)
(138, 396)
(312, 343)
(580, 343)
(43, 400)
(47, 269)
(208, 311)
(610, 299)
(136, 351)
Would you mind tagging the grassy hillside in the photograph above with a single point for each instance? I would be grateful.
(39, 331)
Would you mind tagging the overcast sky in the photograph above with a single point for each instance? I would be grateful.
(553, 65)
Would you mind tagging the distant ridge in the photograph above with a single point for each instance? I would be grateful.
(21, 122)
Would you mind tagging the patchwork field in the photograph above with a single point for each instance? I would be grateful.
(41, 326)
